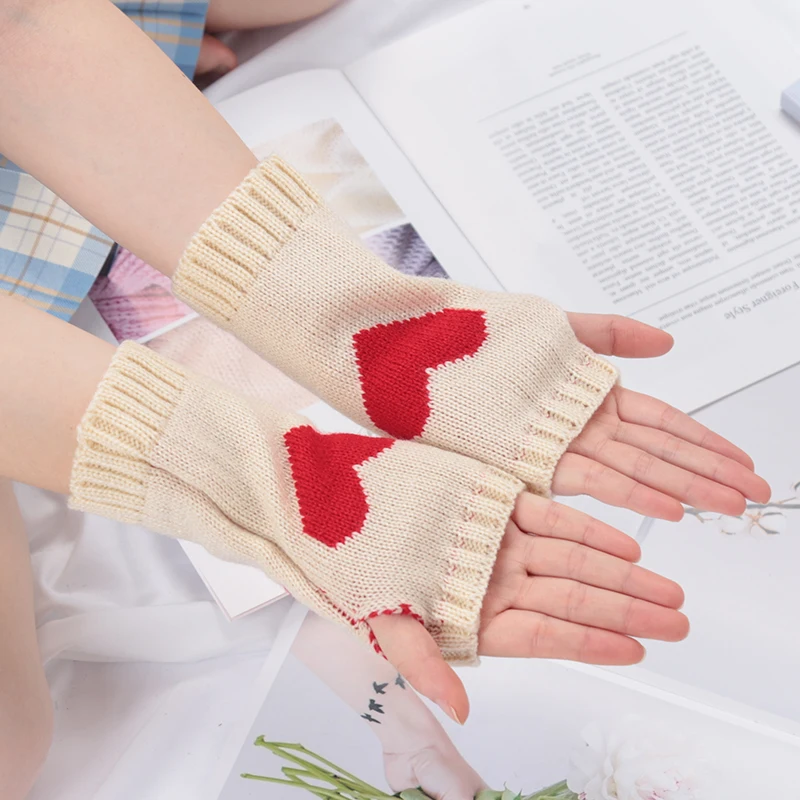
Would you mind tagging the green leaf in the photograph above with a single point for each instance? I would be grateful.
(413, 794)
(558, 791)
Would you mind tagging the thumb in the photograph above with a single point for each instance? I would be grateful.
(612, 335)
(412, 651)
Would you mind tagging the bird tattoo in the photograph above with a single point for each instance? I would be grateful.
(377, 707)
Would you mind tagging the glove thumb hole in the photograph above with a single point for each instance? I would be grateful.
(416, 656)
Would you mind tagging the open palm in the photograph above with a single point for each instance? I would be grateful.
(567, 586)
(564, 586)
(641, 453)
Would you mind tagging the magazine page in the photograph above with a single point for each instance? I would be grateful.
(336, 721)
(618, 157)
(740, 573)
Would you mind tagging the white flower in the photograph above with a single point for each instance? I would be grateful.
(767, 522)
(634, 762)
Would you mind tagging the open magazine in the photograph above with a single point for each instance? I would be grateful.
(331, 719)
(618, 157)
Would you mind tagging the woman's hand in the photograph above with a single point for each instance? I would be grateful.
(564, 586)
(642, 454)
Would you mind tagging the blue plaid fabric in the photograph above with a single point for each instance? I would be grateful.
(49, 254)
(176, 27)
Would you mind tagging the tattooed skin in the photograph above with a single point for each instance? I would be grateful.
(374, 706)
(377, 707)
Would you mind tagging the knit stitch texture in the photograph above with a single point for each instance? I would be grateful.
(354, 526)
(497, 377)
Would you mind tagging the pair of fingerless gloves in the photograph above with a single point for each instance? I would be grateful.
(475, 396)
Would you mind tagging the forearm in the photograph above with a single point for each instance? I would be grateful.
(94, 109)
(49, 371)
(27, 714)
(368, 684)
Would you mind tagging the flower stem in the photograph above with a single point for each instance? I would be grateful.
(338, 784)
(286, 751)
(323, 794)
(558, 791)
(694, 512)
(341, 785)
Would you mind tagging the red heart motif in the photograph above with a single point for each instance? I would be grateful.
(395, 361)
(332, 502)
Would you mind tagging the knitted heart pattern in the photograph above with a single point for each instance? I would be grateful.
(332, 502)
(395, 363)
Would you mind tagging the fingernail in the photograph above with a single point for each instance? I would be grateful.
(451, 712)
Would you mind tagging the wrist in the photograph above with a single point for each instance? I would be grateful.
(119, 431)
(408, 726)
(226, 256)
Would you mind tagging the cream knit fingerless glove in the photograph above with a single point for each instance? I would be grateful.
(354, 526)
(497, 377)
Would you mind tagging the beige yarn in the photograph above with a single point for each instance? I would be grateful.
(275, 267)
(185, 456)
